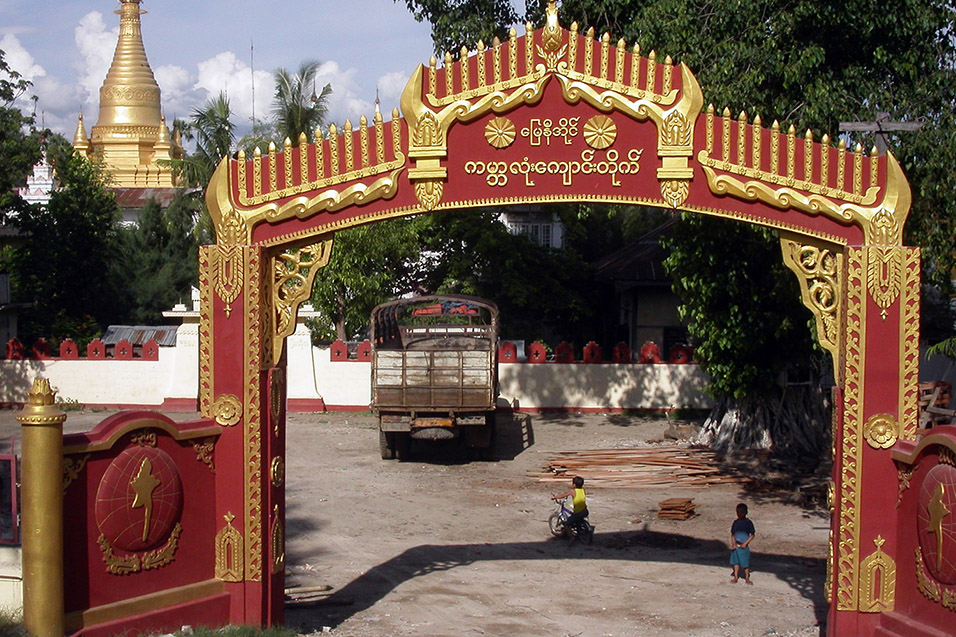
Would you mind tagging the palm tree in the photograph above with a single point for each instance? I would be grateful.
(296, 107)
(211, 127)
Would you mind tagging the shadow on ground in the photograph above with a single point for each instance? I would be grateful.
(805, 575)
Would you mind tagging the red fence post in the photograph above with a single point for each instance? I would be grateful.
(14, 350)
(68, 349)
(96, 349)
(364, 352)
(564, 353)
(508, 353)
(621, 353)
(150, 351)
(537, 352)
(123, 350)
(339, 351)
(592, 353)
(650, 353)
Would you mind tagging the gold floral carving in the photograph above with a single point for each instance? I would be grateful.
(934, 591)
(881, 221)
(600, 132)
(881, 431)
(818, 267)
(429, 193)
(72, 467)
(277, 394)
(675, 124)
(133, 563)
(252, 433)
(205, 330)
(278, 542)
(227, 410)
(909, 344)
(500, 132)
(851, 454)
(204, 450)
(828, 577)
(294, 272)
(229, 552)
(228, 265)
(675, 191)
(877, 581)
(277, 471)
(884, 276)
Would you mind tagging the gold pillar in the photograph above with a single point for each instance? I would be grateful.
(42, 492)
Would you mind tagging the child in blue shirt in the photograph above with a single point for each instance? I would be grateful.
(741, 533)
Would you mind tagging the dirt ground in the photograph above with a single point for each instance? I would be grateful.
(443, 546)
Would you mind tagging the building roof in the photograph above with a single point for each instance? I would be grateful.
(164, 335)
(641, 260)
(137, 197)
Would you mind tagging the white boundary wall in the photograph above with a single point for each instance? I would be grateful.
(316, 382)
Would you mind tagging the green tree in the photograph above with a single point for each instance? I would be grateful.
(158, 258)
(64, 263)
(370, 264)
(540, 291)
(458, 23)
(19, 139)
(811, 65)
(211, 127)
(296, 106)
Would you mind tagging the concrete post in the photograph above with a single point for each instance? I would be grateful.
(42, 493)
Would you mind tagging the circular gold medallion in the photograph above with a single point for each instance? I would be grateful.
(600, 132)
(500, 132)
(227, 410)
(881, 431)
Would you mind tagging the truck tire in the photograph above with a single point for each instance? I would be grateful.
(387, 445)
(402, 444)
(488, 453)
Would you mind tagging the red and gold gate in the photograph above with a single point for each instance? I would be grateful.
(557, 116)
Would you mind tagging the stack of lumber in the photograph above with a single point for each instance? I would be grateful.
(677, 509)
(640, 466)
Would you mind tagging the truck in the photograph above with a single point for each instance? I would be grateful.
(435, 372)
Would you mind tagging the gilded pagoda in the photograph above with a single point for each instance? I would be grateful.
(131, 133)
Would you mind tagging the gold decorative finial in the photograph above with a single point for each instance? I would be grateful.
(551, 34)
(40, 408)
(42, 393)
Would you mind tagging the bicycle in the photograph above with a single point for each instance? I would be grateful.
(582, 530)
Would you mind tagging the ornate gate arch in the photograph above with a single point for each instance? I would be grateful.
(554, 116)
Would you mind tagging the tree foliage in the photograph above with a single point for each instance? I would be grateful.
(461, 23)
(157, 262)
(64, 265)
(210, 127)
(19, 139)
(296, 107)
(369, 265)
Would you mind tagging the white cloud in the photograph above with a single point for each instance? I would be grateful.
(19, 59)
(179, 95)
(344, 102)
(96, 44)
(226, 72)
(390, 87)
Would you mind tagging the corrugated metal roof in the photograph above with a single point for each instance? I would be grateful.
(164, 335)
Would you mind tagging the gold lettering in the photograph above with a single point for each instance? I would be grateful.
(608, 163)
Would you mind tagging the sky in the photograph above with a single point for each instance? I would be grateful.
(200, 47)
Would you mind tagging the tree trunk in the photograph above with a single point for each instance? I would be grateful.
(339, 317)
(795, 423)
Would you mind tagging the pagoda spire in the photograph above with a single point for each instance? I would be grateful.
(130, 95)
(130, 134)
